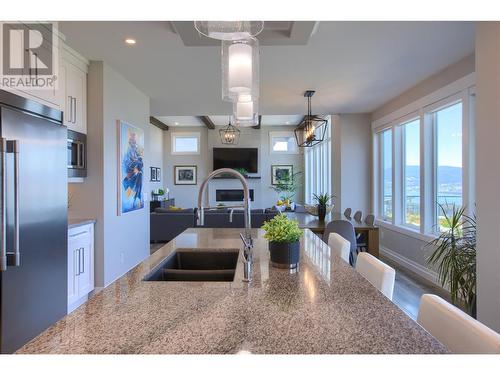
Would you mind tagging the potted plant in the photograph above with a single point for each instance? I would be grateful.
(283, 235)
(322, 200)
(454, 255)
(286, 187)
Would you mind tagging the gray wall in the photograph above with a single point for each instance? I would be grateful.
(487, 172)
(121, 241)
(433, 83)
(351, 155)
(186, 196)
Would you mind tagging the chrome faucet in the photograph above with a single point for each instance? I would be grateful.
(247, 236)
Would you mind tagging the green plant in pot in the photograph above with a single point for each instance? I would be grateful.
(286, 187)
(454, 255)
(283, 235)
(322, 200)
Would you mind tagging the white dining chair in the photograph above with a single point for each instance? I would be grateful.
(379, 274)
(459, 332)
(339, 246)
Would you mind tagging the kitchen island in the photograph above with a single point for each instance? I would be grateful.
(324, 307)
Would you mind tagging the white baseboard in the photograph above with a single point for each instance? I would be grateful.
(411, 265)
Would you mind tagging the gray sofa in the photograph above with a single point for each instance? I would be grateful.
(167, 224)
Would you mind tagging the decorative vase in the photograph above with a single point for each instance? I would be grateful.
(321, 213)
(284, 254)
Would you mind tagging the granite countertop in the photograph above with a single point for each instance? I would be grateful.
(74, 223)
(325, 307)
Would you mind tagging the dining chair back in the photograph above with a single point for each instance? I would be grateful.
(346, 230)
(379, 274)
(358, 215)
(456, 330)
(339, 246)
(347, 213)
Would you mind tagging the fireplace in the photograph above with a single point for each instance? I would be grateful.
(231, 195)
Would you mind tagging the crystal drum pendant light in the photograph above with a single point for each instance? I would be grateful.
(240, 70)
(229, 30)
(229, 135)
(312, 129)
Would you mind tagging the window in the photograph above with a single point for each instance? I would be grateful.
(411, 190)
(317, 164)
(448, 162)
(185, 143)
(424, 166)
(283, 142)
(386, 169)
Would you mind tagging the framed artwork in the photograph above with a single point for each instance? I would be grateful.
(280, 173)
(153, 174)
(131, 167)
(185, 174)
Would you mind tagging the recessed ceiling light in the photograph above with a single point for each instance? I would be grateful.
(130, 41)
(288, 122)
(176, 123)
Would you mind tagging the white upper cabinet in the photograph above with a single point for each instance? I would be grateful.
(73, 72)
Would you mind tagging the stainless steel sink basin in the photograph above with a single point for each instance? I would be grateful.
(196, 265)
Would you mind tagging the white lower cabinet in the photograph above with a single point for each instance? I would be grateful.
(80, 264)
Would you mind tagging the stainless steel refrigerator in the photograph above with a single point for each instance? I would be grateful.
(33, 218)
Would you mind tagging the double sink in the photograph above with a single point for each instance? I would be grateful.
(196, 265)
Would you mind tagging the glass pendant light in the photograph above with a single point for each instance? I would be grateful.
(229, 30)
(312, 129)
(245, 111)
(229, 135)
(240, 69)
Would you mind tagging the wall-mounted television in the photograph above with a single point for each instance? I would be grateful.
(246, 158)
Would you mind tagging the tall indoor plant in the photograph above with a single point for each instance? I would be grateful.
(283, 235)
(454, 255)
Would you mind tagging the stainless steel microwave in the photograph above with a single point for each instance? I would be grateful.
(77, 154)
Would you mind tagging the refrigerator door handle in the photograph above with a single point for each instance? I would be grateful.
(3, 211)
(13, 147)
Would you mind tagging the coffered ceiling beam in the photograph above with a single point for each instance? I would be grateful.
(206, 120)
(258, 125)
(154, 121)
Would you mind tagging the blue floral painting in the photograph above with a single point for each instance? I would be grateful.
(131, 167)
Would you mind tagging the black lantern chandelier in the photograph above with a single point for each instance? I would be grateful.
(229, 135)
(312, 129)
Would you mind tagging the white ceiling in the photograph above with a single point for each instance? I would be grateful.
(353, 66)
(267, 120)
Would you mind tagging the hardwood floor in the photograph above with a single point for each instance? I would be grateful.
(408, 287)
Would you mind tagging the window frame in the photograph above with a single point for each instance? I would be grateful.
(284, 133)
(176, 135)
(408, 119)
(462, 90)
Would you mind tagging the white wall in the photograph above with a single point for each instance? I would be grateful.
(186, 196)
(488, 172)
(156, 156)
(121, 241)
(351, 141)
